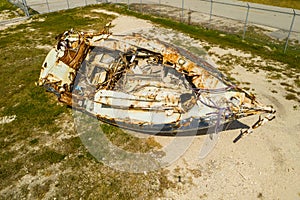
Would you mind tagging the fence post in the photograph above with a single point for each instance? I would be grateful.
(68, 4)
(182, 10)
(189, 17)
(128, 4)
(291, 27)
(25, 8)
(141, 10)
(85, 2)
(246, 21)
(211, 9)
(48, 5)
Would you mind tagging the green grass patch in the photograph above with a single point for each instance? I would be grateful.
(48, 155)
(8, 171)
(6, 5)
(127, 141)
(281, 3)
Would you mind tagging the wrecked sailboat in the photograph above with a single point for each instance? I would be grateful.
(142, 84)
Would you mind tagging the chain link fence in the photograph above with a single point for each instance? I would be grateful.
(254, 21)
(280, 25)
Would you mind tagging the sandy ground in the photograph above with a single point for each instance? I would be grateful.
(264, 165)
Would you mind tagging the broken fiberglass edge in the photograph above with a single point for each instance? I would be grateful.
(144, 84)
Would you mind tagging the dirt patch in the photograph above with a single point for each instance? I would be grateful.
(262, 165)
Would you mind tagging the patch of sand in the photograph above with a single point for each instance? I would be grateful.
(128, 25)
(265, 164)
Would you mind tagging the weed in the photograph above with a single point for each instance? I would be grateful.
(290, 90)
(246, 83)
(203, 196)
(271, 68)
(285, 84)
(34, 141)
(196, 173)
(291, 97)
(207, 48)
(260, 195)
(275, 76)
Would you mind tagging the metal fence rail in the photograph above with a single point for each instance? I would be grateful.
(282, 23)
